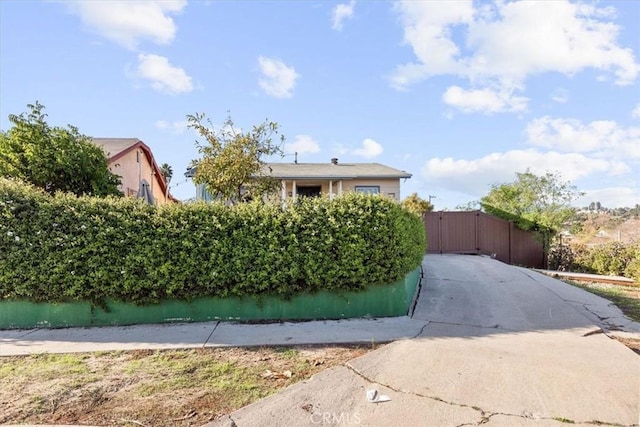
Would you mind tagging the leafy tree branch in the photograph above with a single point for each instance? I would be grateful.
(232, 164)
(533, 201)
(54, 158)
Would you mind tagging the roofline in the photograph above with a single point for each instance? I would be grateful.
(312, 177)
(191, 171)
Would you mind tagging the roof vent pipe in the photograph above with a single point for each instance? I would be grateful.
(334, 161)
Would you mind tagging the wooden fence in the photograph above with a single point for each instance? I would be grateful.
(475, 232)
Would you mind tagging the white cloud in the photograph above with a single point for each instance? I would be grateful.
(278, 79)
(427, 31)
(558, 37)
(474, 176)
(127, 22)
(486, 101)
(499, 45)
(635, 113)
(602, 138)
(177, 127)
(341, 12)
(163, 76)
(303, 144)
(369, 149)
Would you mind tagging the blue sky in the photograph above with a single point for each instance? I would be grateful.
(460, 94)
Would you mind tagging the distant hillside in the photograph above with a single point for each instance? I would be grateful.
(605, 226)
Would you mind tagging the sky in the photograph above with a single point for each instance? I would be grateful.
(461, 94)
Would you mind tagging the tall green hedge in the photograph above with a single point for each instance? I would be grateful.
(65, 248)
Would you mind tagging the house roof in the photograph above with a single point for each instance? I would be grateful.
(334, 171)
(115, 148)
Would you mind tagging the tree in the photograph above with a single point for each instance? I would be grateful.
(54, 158)
(533, 201)
(473, 205)
(167, 173)
(232, 166)
(417, 205)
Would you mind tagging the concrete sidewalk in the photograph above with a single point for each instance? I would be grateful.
(208, 334)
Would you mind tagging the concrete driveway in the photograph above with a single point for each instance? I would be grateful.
(500, 346)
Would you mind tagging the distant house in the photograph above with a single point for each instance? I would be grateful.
(133, 161)
(332, 179)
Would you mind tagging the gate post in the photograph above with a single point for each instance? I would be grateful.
(440, 233)
(476, 232)
(510, 242)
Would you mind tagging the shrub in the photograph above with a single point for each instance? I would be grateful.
(632, 270)
(561, 256)
(613, 259)
(608, 259)
(68, 248)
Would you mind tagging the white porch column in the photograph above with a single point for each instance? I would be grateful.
(284, 190)
(294, 190)
(330, 189)
(340, 188)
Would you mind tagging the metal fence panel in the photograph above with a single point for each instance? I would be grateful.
(528, 249)
(494, 237)
(475, 232)
(432, 227)
(458, 233)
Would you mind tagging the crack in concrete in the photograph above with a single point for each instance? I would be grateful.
(211, 334)
(485, 416)
(608, 326)
(410, 393)
(421, 330)
(418, 292)
(595, 314)
(30, 331)
(605, 325)
(561, 420)
(496, 326)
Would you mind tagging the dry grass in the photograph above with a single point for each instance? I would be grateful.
(626, 298)
(172, 387)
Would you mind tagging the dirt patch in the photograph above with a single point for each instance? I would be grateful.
(159, 388)
(632, 343)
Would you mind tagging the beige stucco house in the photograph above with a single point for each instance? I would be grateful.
(133, 161)
(332, 179)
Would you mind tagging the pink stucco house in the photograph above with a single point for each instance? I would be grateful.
(133, 161)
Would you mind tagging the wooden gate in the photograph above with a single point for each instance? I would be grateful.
(475, 232)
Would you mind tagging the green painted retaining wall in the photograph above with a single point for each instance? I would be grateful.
(376, 301)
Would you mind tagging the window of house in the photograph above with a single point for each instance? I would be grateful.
(368, 189)
(309, 190)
